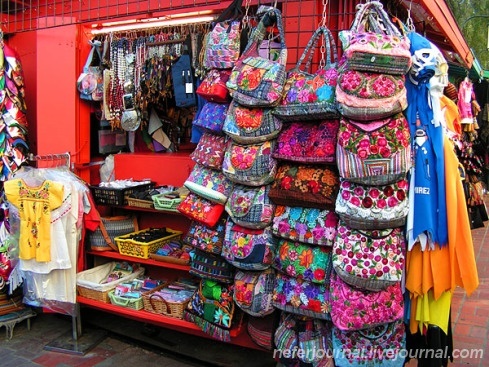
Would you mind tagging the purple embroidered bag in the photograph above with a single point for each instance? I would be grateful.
(211, 118)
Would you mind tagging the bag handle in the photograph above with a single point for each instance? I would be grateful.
(95, 48)
(372, 14)
(330, 47)
(273, 16)
(233, 12)
(157, 296)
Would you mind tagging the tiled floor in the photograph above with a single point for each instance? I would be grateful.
(470, 317)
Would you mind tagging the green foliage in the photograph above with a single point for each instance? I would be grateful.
(472, 17)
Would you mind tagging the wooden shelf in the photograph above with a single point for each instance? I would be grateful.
(238, 334)
(150, 262)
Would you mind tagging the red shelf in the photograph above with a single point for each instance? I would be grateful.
(151, 262)
(238, 337)
(150, 210)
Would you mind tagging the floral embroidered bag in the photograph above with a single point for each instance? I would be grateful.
(300, 260)
(304, 142)
(205, 238)
(201, 210)
(371, 260)
(300, 297)
(365, 96)
(250, 206)
(209, 183)
(357, 309)
(211, 118)
(373, 207)
(308, 225)
(309, 186)
(253, 291)
(257, 81)
(248, 249)
(251, 125)
(311, 96)
(381, 346)
(251, 165)
(209, 151)
(376, 153)
(373, 43)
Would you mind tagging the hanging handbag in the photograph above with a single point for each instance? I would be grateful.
(261, 329)
(376, 153)
(370, 260)
(251, 165)
(374, 44)
(253, 291)
(90, 82)
(300, 260)
(209, 183)
(205, 238)
(212, 309)
(258, 81)
(103, 238)
(213, 86)
(308, 142)
(248, 249)
(373, 207)
(309, 186)
(357, 309)
(251, 125)
(312, 96)
(300, 297)
(381, 346)
(210, 266)
(209, 151)
(250, 206)
(201, 210)
(308, 225)
(211, 118)
(366, 96)
(183, 82)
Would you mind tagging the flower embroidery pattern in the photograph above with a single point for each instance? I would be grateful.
(371, 85)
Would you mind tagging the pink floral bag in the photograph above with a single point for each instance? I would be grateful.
(312, 96)
(356, 309)
(371, 260)
(308, 142)
(374, 153)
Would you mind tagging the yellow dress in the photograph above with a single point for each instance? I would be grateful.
(34, 205)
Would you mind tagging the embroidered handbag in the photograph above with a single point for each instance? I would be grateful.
(262, 328)
(212, 309)
(251, 165)
(357, 309)
(312, 96)
(253, 291)
(211, 117)
(90, 82)
(308, 225)
(381, 346)
(209, 151)
(209, 266)
(205, 238)
(376, 153)
(248, 249)
(251, 125)
(373, 207)
(209, 183)
(223, 45)
(250, 206)
(257, 81)
(308, 142)
(297, 296)
(365, 96)
(373, 43)
(370, 260)
(300, 260)
(201, 210)
(213, 86)
(309, 186)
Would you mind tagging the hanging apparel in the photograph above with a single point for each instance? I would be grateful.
(464, 103)
(34, 205)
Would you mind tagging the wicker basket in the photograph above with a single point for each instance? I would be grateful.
(135, 304)
(128, 246)
(156, 304)
(112, 196)
(138, 203)
(88, 282)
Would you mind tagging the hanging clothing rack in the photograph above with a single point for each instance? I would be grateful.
(51, 160)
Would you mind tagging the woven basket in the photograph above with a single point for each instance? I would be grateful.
(138, 203)
(103, 238)
(135, 304)
(156, 304)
